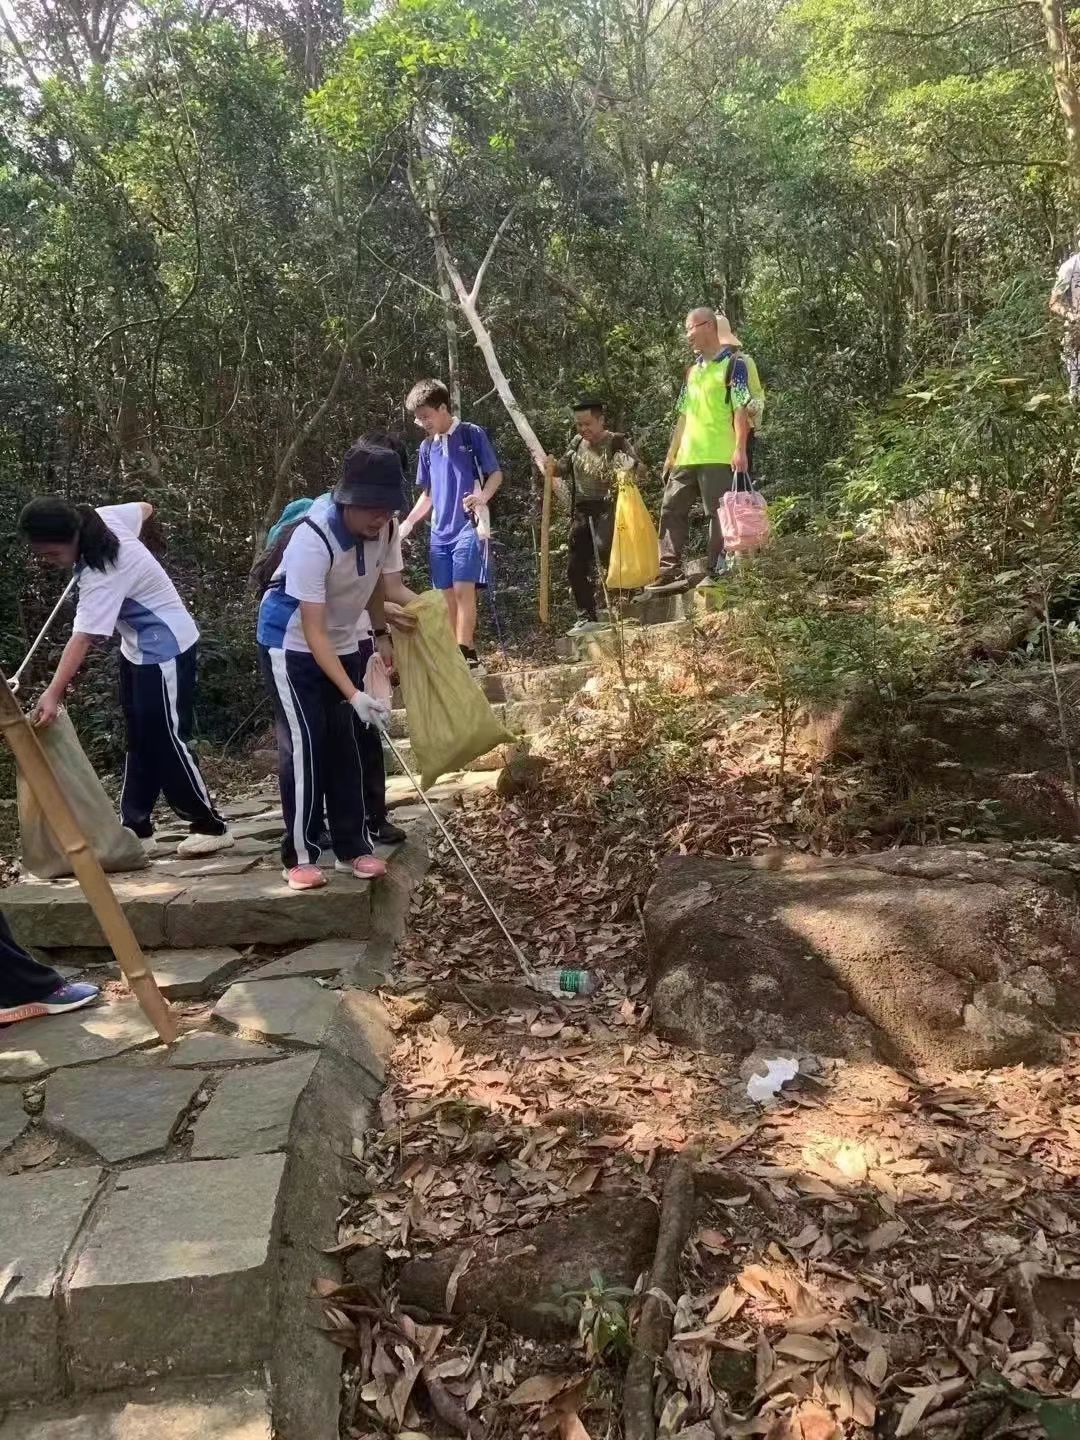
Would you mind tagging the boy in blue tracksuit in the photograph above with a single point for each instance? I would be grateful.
(458, 471)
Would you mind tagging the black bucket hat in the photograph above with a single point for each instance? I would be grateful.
(371, 477)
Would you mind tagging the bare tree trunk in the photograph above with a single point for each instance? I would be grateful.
(495, 370)
(428, 206)
(1063, 63)
(453, 365)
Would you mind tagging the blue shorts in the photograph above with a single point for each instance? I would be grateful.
(464, 558)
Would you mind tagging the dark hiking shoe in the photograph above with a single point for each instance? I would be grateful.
(387, 833)
(670, 585)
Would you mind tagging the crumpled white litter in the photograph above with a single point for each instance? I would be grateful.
(764, 1087)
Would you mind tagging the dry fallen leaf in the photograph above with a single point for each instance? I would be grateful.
(714, 1240)
(863, 1406)
(923, 1295)
(754, 1278)
(34, 1149)
(805, 1347)
(810, 1324)
(571, 1428)
(464, 1260)
(539, 1389)
(584, 1179)
(877, 1365)
(915, 1409)
(352, 1242)
(885, 1236)
(728, 1304)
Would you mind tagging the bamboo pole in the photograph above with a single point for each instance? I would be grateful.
(38, 773)
(545, 546)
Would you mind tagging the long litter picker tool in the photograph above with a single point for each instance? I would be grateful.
(519, 955)
(15, 680)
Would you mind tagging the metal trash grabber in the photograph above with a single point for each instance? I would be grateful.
(13, 680)
(519, 956)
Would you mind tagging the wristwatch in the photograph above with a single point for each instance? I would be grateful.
(380, 632)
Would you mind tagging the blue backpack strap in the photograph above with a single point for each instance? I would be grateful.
(467, 429)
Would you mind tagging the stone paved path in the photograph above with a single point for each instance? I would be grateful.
(145, 1192)
(163, 1212)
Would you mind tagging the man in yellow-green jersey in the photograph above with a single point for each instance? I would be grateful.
(720, 405)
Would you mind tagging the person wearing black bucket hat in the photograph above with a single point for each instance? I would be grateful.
(343, 556)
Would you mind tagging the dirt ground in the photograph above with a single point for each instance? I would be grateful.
(874, 1253)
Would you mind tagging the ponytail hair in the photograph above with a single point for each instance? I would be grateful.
(50, 519)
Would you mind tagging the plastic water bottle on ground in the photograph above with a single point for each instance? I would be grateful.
(558, 980)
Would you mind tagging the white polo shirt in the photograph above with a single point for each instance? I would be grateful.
(323, 562)
(134, 597)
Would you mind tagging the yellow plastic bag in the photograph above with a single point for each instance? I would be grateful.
(635, 548)
(450, 720)
(115, 847)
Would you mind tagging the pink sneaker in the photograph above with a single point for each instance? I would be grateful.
(364, 867)
(304, 877)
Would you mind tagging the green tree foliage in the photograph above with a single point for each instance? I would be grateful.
(216, 263)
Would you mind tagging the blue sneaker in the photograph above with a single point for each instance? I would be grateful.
(63, 998)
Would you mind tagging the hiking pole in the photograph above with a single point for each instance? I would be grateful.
(13, 680)
(530, 974)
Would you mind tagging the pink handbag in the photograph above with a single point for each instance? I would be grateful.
(744, 518)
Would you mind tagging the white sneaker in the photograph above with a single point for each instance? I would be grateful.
(198, 845)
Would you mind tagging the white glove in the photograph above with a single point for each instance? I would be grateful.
(371, 712)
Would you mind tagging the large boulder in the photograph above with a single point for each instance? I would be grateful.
(950, 956)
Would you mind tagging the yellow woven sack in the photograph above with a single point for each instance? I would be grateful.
(450, 720)
(115, 847)
(635, 549)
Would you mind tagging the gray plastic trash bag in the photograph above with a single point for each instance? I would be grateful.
(115, 847)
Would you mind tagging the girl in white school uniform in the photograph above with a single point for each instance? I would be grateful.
(345, 551)
(123, 589)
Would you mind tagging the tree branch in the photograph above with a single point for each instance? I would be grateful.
(475, 291)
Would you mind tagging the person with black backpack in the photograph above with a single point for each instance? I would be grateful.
(589, 471)
(458, 473)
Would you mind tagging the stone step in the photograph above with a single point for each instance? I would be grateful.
(209, 1410)
(548, 682)
(603, 645)
(400, 794)
(648, 609)
(210, 910)
(99, 1259)
(521, 717)
(493, 760)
